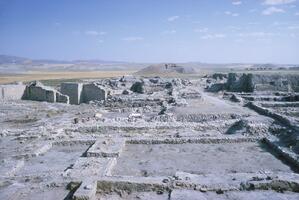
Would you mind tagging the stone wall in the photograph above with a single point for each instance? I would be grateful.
(91, 92)
(262, 82)
(61, 98)
(73, 90)
(237, 83)
(276, 82)
(12, 92)
(38, 92)
(73, 93)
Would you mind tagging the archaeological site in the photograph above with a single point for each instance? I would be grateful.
(220, 136)
(149, 100)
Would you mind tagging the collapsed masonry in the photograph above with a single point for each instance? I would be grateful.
(70, 93)
(83, 93)
(36, 91)
(255, 82)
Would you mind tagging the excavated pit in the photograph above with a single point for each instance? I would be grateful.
(56, 160)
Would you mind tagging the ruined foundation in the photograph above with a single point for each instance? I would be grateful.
(174, 140)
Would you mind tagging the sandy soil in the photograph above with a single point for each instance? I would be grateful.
(37, 75)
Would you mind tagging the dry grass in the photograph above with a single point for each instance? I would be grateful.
(36, 75)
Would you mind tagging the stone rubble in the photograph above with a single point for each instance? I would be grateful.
(223, 136)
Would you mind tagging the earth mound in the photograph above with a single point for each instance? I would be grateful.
(166, 69)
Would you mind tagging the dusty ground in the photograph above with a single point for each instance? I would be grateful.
(166, 159)
(203, 146)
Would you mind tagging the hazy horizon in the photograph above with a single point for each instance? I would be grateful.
(230, 31)
(136, 62)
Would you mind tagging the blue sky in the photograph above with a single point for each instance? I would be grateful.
(152, 30)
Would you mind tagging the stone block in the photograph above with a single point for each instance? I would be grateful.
(93, 92)
(106, 148)
(39, 92)
(36, 91)
(91, 167)
(60, 98)
(86, 191)
(73, 90)
(12, 92)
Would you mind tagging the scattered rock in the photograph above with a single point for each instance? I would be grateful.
(163, 110)
(126, 92)
(236, 98)
(98, 115)
(76, 120)
(219, 191)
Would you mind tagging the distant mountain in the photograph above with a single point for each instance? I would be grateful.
(4, 59)
(7, 59)
(15, 64)
(96, 61)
